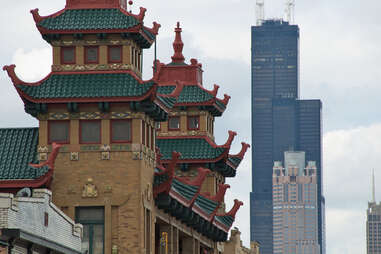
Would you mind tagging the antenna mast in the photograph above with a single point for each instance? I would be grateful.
(373, 189)
(289, 11)
(260, 11)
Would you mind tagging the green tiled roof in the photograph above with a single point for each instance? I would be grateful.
(189, 148)
(187, 191)
(220, 104)
(89, 19)
(87, 86)
(235, 160)
(207, 205)
(18, 148)
(189, 94)
(159, 179)
(168, 102)
(226, 220)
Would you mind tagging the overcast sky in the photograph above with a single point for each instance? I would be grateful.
(340, 64)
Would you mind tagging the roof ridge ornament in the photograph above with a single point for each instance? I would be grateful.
(52, 157)
(243, 151)
(178, 46)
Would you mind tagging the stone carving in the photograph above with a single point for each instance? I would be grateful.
(89, 189)
(108, 189)
(42, 156)
(74, 156)
(137, 156)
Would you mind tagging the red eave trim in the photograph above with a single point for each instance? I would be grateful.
(36, 183)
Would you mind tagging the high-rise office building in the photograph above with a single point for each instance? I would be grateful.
(280, 122)
(295, 212)
(373, 228)
(373, 224)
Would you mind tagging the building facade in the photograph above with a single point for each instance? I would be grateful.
(135, 162)
(295, 220)
(280, 121)
(31, 223)
(234, 244)
(373, 228)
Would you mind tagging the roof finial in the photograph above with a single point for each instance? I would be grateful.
(178, 46)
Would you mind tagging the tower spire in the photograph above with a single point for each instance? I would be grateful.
(260, 12)
(178, 46)
(373, 188)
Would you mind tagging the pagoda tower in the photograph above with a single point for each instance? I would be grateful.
(133, 161)
(190, 127)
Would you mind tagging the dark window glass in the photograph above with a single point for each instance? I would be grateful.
(152, 138)
(121, 130)
(68, 55)
(193, 123)
(59, 131)
(143, 133)
(91, 54)
(115, 54)
(148, 136)
(174, 123)
(92, 219)
(91, 132)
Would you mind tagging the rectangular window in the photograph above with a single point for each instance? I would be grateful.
(174, 123)
(143, 133)
(157, 126)
(148, 136)
(92, 219)
(115, 54)
(91, 55)
(59, 132)
(67, 55)
(121, 131)
(153, 139)
(148, 230)
(193, 122)
(90, 131)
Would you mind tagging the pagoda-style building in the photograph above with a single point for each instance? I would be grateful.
(133, 161)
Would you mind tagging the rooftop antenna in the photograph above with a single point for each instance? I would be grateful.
(289, 11)
(373, 189)
(260, 11)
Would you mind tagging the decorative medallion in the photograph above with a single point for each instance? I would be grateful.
(136, 155)
(74, 156)
(89, 190)
(105, 155)
(120, 115)
(42, 149)
(59, 116)
(90, 115)
(42, 156)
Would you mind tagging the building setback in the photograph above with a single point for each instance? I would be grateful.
(280, 122)
(295, 212)
(135, 162)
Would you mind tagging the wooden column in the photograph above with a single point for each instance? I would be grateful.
(175, 239)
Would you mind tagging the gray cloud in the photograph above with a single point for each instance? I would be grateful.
(339, 63)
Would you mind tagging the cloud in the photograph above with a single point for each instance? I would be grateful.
(349, 156)
(33, 65)
(346, 231)
(339, 64)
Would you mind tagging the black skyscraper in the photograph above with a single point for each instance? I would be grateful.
(280, 121)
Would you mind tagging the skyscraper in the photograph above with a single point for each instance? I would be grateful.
(373, 228)
(280, 122)
(373, 224)
(295, 217)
